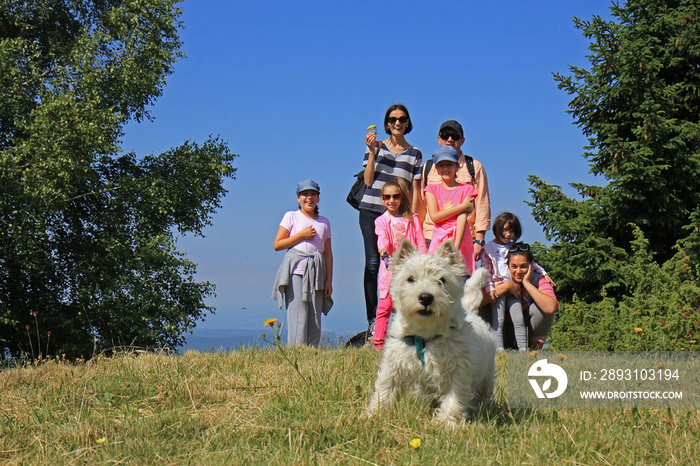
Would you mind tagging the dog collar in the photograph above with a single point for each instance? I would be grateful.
(419, 343)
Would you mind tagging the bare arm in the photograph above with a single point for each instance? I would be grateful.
(421, 208)
(461, 230)
(370, 139)
(478, 248)
(546, 303)
(437, 215)
(284, 241)
(417, 201)
(499, 289)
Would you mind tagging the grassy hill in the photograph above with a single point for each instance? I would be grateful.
(252, 406)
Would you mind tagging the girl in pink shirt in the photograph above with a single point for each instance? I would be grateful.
(304, 281)
(448, 204)
(396, 223)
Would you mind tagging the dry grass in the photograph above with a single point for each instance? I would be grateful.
(250, 406)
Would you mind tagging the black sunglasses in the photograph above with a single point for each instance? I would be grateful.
(396, 197)
(446, 136)
(519, 247)
(402, 120)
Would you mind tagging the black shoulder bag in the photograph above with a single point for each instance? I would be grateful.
(357, 191)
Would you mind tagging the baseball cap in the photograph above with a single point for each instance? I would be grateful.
(445, 153)
(308, 184)
(453, 125)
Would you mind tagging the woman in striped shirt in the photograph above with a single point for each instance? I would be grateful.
(385, 160)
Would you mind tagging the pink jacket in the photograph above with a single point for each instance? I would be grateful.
(386, 240)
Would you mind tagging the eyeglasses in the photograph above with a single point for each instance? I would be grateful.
(402, 120)
(519, 247)
(446, 136)
(396, 197)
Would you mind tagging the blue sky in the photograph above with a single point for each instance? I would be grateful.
(292, 86)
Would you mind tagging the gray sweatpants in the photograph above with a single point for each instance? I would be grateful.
(498, 316)
(303, 325)
(539, 323)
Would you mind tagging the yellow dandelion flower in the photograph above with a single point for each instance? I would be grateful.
(637, 329)
(415, 443)
(693, 341)
(562, 355)
(102, 440)
(270, 322)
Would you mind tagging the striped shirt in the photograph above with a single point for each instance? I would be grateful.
(390, 165)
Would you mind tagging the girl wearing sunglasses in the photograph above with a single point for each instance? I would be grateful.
(385, 160)
(396, 223)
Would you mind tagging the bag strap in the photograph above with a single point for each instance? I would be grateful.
(426, 169)
(470, 167)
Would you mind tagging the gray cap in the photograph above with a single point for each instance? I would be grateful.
(445, 153)
(308, 184)
(454, 125)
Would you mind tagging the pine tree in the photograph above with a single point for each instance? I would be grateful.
(639, 106)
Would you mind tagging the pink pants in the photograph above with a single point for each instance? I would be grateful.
(384, 308)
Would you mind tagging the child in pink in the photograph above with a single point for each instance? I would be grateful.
(448, 204)
(396, 223)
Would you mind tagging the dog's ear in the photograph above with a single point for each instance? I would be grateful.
(448, 251)
(405, 250)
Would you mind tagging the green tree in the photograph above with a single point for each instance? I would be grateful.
(661, 311)
(639, 106)
(87, 233)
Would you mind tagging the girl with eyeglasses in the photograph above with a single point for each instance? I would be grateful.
(396, 223)
(533, 292)
(385, 160)
(307, 267)
(506, 231)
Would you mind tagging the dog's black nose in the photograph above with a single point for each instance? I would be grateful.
(425, 299)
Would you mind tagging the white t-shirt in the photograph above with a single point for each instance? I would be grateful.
(498, 254)
(295, 221)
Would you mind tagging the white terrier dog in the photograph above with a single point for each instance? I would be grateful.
(442, 350)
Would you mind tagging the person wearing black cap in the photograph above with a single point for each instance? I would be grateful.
(470, 171)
